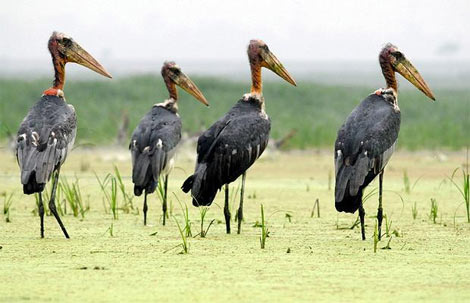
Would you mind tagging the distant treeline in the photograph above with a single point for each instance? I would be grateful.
(314, 111)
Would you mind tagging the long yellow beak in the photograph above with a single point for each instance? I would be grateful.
(404, 67)
(75, 53)
(185, 83)
(272, 63)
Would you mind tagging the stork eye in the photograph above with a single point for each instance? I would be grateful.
(66, 41)
(398, 55)
(175, 70)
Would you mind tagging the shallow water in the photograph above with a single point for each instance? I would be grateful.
(327, 260)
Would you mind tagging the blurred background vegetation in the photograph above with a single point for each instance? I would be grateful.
(315, 111)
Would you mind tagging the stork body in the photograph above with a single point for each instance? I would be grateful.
(154, 141)
(368, 137)
(48, 131)
(233, 143)
(45, 138)
(228, 148)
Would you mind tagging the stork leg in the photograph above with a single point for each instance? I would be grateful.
(227, 209)
(145, 208)
(240, 208)
(361, 216)
(164, 205)
(52, 203)
(41, 214)
(380, 210)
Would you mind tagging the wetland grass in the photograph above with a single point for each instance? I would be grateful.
(184, 239)
(72, 196)
(376, 235)
(434, 210)
(406, 182)
(407, 186)
(414, 211)
(388, 225)
(111, 229)
(128, 205)
(316, 206)
(111, 196)
(161, 196)
(187, 221)
(203, 212)
(7, 201)
(113, 199)
(264, 230)
(464, 188)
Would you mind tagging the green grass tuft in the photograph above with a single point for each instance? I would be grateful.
(264, 230)
(7, 201)
(464, 188)
(414, 211)
(434, 210)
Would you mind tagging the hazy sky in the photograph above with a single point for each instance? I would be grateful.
(217, 29)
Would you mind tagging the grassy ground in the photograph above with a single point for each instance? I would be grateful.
(315, 111)
(305, 259)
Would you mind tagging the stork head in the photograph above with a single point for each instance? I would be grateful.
(403, 66)
(172, 74)
(259, 54)
(65, 48)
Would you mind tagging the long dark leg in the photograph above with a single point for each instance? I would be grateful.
(145, 208)
(361, 216)
(380, 210)
(164, 205)
(52, 203)
(227, 209)
(240, 208)
(41, 214)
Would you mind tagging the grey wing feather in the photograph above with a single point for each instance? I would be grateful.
(227, 149)
(153, 145)
(45, 136)
(364, 144)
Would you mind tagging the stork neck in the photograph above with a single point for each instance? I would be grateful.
(256, 82)
(389, 73)
(59, 77)
(59, 70)
(170, 85)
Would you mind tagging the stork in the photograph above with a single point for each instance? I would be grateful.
(234, 142)
(154, 140)
(368, 137)
(48, 131)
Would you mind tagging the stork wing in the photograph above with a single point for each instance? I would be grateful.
(227, 149)
(364, 145)
(45, 137)
(153, 145)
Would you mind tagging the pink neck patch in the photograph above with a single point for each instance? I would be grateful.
(53, 92)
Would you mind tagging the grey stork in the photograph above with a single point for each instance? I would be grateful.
(234, 142)
(48, 131)
(368, 137)
(154, 140)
